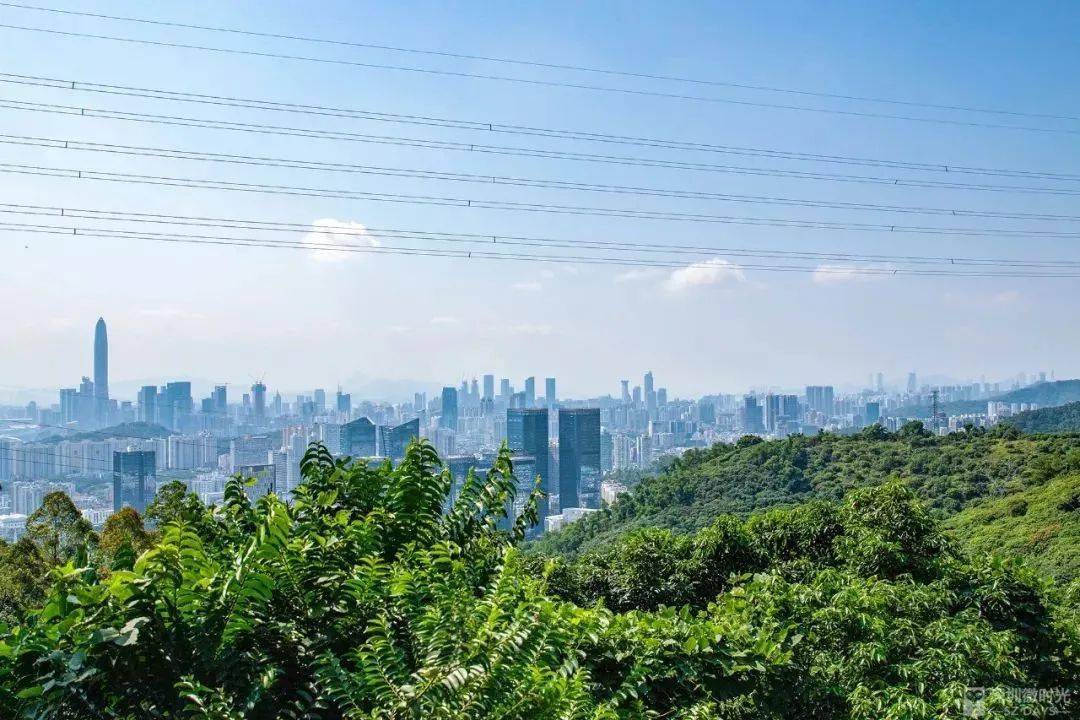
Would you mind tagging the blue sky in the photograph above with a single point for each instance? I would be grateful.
(305, 319)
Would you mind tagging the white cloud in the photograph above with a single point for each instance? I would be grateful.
(528, 286)
(1006, 297)
(328, 233)
(709, 272)
(636, 274)
(836, 274)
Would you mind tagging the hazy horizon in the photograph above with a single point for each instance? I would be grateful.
(300, 319)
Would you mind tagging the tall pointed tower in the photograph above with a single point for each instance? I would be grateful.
(101, 369)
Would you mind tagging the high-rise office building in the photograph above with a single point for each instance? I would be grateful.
(220, 399)
(579, 458)
(549, 392)
(69, 405)
(178, 402)
(772, 412)
(527, 434)
(530, 391)
(650, 395)
(752, 416)
(820, 399)
(912, 383)
(148, 404)
(101, 371)
(504, 389)
(133, 473)
(449, 417)
(344, 402)
(625, 390)
(873, 412)
(789, 408)
(489, 387)
(358, 438)
(319, 397)
(258, 400)
(394, 440)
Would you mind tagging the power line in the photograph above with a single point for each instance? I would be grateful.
(481, 239)
(523, 130)
(334, 135)
(262, 188)
(547, 65)
(532, 82)
(511, 181)
(461, 254)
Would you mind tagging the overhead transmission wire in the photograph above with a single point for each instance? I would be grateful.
(512, 181)
(523, 130)
(489, 239)
(575, 210)
(531, 81)
(537, 64)
(488, 255)
(512, 151)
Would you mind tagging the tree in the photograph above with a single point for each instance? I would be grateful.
(58, 529)
(173, 503)
(24, 579)
(123, 538)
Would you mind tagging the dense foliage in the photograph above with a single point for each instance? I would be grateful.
(1041, 523)
(1064, 418)
(949, 473)
(367, 598)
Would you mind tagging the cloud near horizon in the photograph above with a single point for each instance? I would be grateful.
(329, 233)
(708, 272)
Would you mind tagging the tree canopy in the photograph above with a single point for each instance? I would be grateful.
(368, 597)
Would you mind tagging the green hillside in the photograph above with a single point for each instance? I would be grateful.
(1065, 418)
(1040, 523)
(949, 473)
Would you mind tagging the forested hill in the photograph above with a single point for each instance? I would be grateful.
(949, 473)
(1045, 394)
(1065, 418)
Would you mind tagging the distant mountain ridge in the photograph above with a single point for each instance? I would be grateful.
(135, 430)
(1044, 394)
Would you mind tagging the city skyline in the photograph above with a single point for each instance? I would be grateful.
(709, 322)
(405, 388)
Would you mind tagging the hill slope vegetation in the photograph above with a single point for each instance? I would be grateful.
(948, 473)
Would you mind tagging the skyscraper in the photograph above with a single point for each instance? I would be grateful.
(101, 371)
(579, 458)
(752, 415)
(530, 391)
(131, 471)
(221, 400)
(912, 383)
(148, 404)
(489, 387)
(549, 392)
(258, 399)
(449, 417)
(505, 389)
(625, 391)
(394, 440)
(358, 438)
(650, 395)
(772, 412)
(527, 434)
